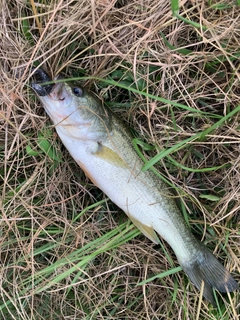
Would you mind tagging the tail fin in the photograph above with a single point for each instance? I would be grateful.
(205, 267)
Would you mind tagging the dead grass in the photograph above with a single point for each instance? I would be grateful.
(141, 44)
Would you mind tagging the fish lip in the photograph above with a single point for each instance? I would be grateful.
(40, 77)
(57, 93)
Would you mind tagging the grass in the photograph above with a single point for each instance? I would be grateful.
(171, 71)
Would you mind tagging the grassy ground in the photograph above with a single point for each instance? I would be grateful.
(66, 251)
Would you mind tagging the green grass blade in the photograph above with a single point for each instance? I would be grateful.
(161, 275)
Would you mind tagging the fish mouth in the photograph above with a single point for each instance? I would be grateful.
(40, 77)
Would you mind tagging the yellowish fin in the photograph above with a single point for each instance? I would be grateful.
(110, 156)
(147, 231)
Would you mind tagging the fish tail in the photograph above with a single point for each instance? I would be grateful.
(205, 267)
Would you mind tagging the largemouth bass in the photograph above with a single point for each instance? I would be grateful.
(102, 146)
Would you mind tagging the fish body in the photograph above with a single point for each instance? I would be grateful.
(102, 146)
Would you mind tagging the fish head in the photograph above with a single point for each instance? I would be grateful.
(72, 109)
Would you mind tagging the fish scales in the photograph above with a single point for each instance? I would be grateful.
(102, 145)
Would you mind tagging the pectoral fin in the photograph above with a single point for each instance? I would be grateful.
(110, 156)
(147, 231)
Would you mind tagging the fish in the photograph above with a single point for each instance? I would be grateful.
(101, 144)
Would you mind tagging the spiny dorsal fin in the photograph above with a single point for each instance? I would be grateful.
(146, 230)
(110, 156)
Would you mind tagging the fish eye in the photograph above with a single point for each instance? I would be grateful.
(77, 91)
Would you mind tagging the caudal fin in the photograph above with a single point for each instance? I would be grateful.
(205, 267)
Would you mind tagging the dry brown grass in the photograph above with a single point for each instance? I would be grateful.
(39, 202)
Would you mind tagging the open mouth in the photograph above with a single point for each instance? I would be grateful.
(40, 77)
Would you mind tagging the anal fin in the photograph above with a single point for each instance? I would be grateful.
(146, 230)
